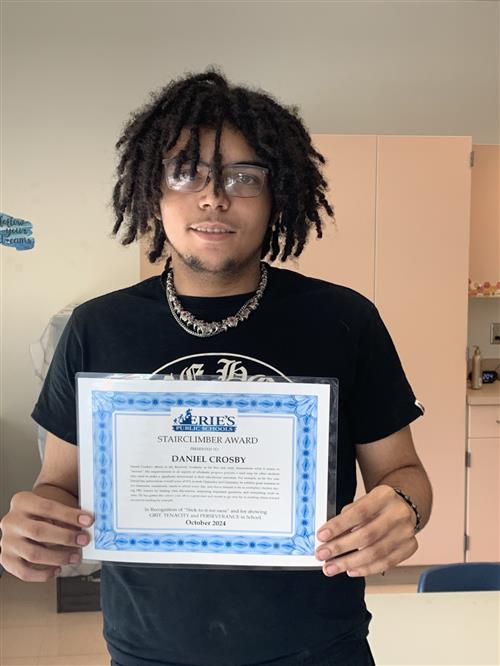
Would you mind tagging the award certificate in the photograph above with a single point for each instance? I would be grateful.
(203, 472)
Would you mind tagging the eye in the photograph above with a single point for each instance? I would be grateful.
(247, 178)
(185, 172)
(242, 177)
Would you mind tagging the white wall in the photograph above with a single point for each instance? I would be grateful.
(73, 71)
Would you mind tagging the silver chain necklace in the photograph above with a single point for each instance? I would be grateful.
(204, 329)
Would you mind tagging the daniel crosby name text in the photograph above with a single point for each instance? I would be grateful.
(209, 459)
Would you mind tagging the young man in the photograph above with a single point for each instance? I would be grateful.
(222, 177)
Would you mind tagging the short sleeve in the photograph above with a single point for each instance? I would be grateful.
(382, 401)
(55, 409)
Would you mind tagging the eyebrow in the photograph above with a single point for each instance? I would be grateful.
(249, 162)
(239, 162)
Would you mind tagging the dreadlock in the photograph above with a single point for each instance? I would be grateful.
(275, 132)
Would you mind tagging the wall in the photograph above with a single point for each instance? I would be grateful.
(72, 72)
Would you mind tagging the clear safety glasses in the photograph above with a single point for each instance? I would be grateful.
(239, 180)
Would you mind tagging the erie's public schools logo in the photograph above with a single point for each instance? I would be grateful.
(204, 420)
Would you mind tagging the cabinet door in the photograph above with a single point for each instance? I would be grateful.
(346, 253)
(421, 271)
(485, 214)
(483, 500)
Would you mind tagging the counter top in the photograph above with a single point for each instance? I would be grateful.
(488, 394)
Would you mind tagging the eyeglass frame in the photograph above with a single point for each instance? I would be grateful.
(259, 165)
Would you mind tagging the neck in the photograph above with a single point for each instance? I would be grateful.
(190, 282)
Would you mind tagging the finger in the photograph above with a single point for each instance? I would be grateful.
(17, 567)
(360, 537)
(51, 509)
(381, 556)
(44, 532)
(50, 521)
(402, 553)
(393, 524)
(352, 515)
(357, 513)
(347, 521)
(36, 553)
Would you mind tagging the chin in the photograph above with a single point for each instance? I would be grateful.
(212, 265)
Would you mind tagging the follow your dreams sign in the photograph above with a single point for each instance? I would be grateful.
(16, 233)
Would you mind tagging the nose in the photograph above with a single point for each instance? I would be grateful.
(208, 198)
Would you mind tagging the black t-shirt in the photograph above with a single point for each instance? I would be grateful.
(303, 327)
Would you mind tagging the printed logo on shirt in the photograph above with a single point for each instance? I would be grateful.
(225, 366)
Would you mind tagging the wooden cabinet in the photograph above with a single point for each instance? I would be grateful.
(485, 215)
(483, 483)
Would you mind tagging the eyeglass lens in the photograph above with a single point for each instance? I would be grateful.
(239, 180)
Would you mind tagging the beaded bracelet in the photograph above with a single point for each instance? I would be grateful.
(411, 503)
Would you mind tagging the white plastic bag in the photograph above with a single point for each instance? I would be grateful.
(42, 351)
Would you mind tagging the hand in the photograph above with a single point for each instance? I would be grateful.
(39, 535)
(373, 534)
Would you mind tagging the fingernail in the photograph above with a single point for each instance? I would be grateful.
(84, 520)
(74, 558)
(332, 569)
(324, 535)
(353, 573)
(81, 539)
(323, 554)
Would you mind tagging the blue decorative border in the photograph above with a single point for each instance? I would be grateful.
(105, 404)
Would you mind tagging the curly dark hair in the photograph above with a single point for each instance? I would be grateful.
(275, 132)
